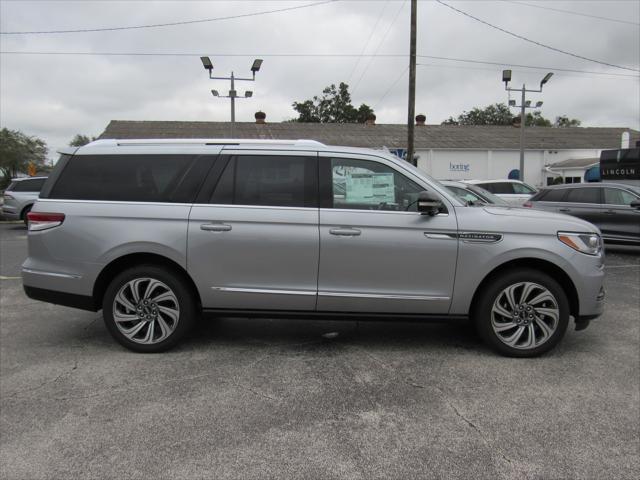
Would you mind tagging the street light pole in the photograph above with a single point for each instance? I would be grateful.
(524, 104)
(412, 83)
(233, 94)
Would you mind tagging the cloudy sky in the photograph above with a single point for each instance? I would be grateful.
(305, 49)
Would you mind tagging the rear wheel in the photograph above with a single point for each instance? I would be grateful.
(148, 308)
(522, 313)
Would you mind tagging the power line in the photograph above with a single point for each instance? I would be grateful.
(169, 24)
(571, 12)
(364, 49)
(532, 41)
(318, 55)
(395, 82)
(384, 37)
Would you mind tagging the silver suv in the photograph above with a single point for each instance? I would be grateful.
(20, 196)
(155, 231)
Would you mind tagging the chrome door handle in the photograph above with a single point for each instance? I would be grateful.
(609, 212)
(564, 209)
(215, 227)
(345, 232)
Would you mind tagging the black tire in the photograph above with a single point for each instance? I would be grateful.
(24, 213)
(483, 315)
(179, 291)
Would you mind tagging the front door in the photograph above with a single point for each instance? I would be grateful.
(618, 218)
(377, 253)
(255, 244)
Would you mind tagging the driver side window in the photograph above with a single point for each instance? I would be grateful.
(369, 185)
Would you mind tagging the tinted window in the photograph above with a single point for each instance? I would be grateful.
(134, 178)
(278, 181)
(555, 195)
(34, 185)
(498, 187)
(368, 185)
(583, 195)
(615, 196)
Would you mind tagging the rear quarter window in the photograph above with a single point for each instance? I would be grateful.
(583, 195)
(135, 178)
(34, 185)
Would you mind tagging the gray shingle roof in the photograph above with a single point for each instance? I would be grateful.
(376, 136)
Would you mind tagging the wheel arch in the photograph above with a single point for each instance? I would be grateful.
(544, 266)
(118, 265)
(23, 212)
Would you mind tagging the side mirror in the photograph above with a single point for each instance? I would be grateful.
(635, 204)
(428, 204)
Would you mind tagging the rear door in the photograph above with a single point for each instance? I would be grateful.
(584, 202)
(503, 190)
(253, 234)
(618, 218)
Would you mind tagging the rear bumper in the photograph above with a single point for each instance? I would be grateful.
(10, 213)
(61, 298)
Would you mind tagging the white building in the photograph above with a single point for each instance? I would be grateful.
(445, 151)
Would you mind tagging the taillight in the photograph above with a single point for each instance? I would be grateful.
(527, 204)
(43, 221)
(7, 196)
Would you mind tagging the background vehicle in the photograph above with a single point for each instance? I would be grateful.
(473, 193)
(514, 192)
(153, 232)
(20, 196)
(613, 207)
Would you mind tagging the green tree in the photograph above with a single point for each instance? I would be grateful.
(17, 151)
(496, 114)
(333, 106)
(536, 119)
(79, 140)
(563, 122)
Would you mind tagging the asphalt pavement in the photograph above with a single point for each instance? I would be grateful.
(275, 399)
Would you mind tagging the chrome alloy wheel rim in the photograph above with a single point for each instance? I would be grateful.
(525, 315)
(146, 310)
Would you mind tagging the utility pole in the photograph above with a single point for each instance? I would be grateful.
(412, 84)
(524, 104)
(233, 94)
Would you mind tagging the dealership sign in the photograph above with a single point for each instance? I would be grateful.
(622, 164)
(460, 167)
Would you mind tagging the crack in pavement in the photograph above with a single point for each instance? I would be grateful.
(408, 381)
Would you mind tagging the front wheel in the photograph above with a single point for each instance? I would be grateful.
(522, 313)
(148, 308)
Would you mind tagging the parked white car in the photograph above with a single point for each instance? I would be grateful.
(514, 192)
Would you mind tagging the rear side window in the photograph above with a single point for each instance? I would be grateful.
(133, 178)
(268, 180)
(583, 195)
(498, 187)
(34, 185)
(555, 195)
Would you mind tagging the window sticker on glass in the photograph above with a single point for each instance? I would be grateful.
(356, 185)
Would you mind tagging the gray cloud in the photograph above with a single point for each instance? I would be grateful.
(57, 96)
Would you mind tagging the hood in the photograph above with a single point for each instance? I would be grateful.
(519, 220)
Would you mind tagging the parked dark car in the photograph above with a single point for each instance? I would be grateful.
(613, 207)
(473, 194)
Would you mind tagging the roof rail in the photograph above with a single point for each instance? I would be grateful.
(204, 141)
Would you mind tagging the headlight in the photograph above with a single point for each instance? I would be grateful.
(589, 243)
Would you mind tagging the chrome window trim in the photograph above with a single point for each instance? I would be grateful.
(270, 207)
(119, 202)
(354, 210)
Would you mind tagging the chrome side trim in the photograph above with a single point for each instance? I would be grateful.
(441, 236)
(263, 207)
(264, 290)
(51, 274)
(382, 296)
(480, 237)
(394, 212)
